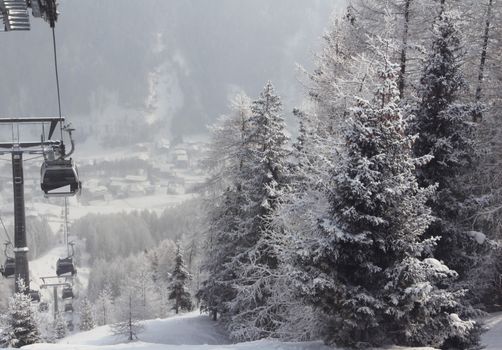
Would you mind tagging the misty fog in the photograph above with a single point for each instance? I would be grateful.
(172, 64)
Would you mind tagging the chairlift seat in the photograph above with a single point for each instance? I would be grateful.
(67, 293)
(59, 178)
(68, 308)
(65, 266)
(9, 268)
(35, 296)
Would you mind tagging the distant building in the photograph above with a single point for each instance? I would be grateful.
(181, 159)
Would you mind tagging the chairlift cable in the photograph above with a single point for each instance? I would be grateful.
(66, 225)
(57, 81)
(5, 231)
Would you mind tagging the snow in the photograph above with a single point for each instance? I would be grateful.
(193, 331)
(492, 339)
(477, 236)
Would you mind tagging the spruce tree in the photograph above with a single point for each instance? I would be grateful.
(264, 175)
(20, 324)
(446, 132)
(222, 243)
(86, 315)
(178, 286)
(363, 268)
(60, 327)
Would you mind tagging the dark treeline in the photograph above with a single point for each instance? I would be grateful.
(108, 236)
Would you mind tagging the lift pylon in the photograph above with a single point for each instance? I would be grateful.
(17, 149)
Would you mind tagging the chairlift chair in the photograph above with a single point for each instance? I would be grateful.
(70, 326)
(65, 266)
(68, 307)
(67, 292)
(59, 178)
(9, 268)
(35, 296)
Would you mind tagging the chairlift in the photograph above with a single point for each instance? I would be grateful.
(70, 326)
(67, 292)
(59, 178)
(35, 296)
(9, 267)
(68, 307)
(65, 266)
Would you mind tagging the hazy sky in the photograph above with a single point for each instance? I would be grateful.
(172, 63)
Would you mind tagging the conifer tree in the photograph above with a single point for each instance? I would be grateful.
(363, 267)
(60, 327)
(178, 286)
(20, 324)
(225, 205)
(264, 176)
(446, 132)
(86, 315)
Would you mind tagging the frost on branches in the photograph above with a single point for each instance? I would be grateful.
(241, 262)
(363, 268)
(60, 327)
(19, 324)
(86, 315)
(253, 316)
(225, 205)
(446, 131)
(128, 314)
(178, 287)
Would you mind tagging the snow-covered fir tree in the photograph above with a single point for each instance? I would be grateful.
(19, 324)
(224, 206)
(362, 267)
(86, 315)
(296, 219)
(178, 286)
(217, 289)
(59, 326)
(264, 175)
(446, 132)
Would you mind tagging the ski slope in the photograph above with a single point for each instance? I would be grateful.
(191, 331)
(197, 332)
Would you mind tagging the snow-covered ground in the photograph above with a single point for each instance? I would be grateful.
(197, 332)
(186, 332)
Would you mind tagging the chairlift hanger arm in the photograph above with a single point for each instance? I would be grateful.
(21, 145)
(14, 13)
(35, 120)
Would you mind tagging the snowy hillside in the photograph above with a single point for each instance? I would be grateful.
(193, 331)
(187, 332)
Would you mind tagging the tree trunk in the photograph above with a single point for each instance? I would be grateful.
(478, 116)
(130, 318)
(404, 49)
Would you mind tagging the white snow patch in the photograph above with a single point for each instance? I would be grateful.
(438, 265)
(477, 236)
